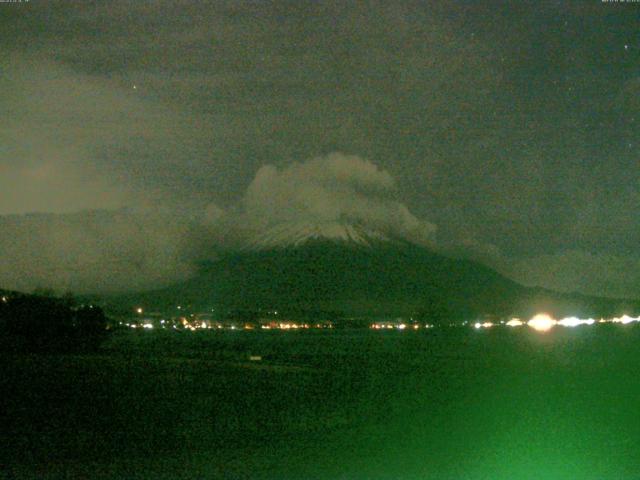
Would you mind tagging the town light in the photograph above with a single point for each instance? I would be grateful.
(542, 322)
(574, 322)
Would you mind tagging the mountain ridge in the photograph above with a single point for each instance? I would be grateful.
(385, 277)
(296, 234)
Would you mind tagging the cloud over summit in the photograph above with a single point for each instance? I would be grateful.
(143, 248)
(118, 250)
(337, 188)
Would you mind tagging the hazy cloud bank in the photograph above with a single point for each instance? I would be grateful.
(73, 141)
(93, 251)
(137, 249)
(116, 250)
(600, 274)
(592, 273)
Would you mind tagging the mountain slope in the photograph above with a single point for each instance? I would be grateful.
(385, 279)
(296, 234)
(388, 278)
(302, 268)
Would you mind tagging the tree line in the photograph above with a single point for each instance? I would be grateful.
(45, 323)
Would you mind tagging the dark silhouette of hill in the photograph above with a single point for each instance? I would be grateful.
(388, 278)
(45, 323)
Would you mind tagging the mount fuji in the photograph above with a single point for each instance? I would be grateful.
(296, 234)
(355, 270)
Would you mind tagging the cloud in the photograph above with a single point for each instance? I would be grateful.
(73, 141)
(142, 248)
(333, 189)
(94, 251)
(469, 247)
(138, 249)
(599, 274)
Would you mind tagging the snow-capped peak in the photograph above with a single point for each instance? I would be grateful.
(296, 234)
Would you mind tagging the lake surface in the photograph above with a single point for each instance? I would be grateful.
(447, 403)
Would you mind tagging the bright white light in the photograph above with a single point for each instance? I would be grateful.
(570, 322)
(515, 322)
(402, 326)
(542, 322)
(575, 321)
(147, 325)
(139, 310)
(627, 319)
(483, 325)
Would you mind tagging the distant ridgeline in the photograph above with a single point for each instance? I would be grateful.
(44, 323)
(349, 280)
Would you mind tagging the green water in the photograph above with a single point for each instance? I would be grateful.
(440, 404)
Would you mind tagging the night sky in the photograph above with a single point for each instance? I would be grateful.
(143, 132)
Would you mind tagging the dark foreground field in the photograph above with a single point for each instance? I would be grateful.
(440, 404)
